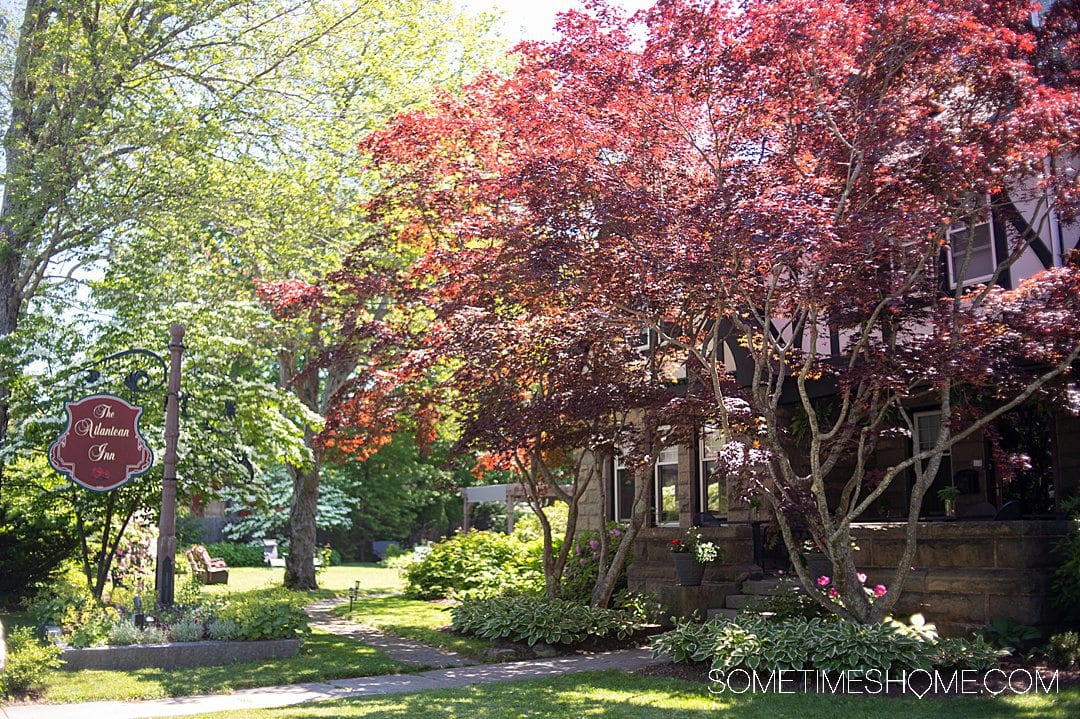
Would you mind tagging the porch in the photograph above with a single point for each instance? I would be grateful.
(965, 574)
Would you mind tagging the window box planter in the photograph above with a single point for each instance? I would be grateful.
(817, 564)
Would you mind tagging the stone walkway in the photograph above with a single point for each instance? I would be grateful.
(457, 671)
(402, 650)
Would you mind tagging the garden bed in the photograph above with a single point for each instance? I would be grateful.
(176, 655)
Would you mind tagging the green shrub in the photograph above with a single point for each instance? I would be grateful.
(689, 641)
(644, 606)
(28, 661)
(95, 626)
(475, 563)
(62, 602)
(757, 643)
(237, 555)
(1063, 650)
(124, 633)
(188, 629)
(272, 616)
(35, 542)
(974, 653)
(223, 630)
(535, 619)
(1009, 636)
(1066, 573)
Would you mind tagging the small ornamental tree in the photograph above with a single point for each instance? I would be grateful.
(547, 395)
(782, 183)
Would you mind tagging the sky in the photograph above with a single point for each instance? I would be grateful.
(534, 19)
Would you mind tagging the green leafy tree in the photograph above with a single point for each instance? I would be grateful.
(272, 207)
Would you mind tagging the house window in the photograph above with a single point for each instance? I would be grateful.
(666, 482)
(974, 244)
(712, 487)
(622, 490)
(927, 429)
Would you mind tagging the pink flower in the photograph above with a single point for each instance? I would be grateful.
(861, 577)
(823, 581)
(880, 590)
(594, 544)
(833, 593)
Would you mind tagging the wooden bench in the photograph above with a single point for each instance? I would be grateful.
(208, 570)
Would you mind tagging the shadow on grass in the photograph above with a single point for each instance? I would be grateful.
(615, 694)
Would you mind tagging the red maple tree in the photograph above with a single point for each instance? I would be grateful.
(791, 182)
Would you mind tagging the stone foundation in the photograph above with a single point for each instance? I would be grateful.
(965, 574)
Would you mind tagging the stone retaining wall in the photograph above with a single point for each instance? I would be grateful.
(177, 654)
(965, 574)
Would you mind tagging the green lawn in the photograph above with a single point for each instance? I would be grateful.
(324, 656)
(614, 694)
(333, 581)
(414, 619)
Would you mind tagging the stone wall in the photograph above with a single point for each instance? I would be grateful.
(653, 570)
(177, 655)
(965, 573)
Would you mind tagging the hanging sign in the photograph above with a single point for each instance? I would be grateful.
(101, 448)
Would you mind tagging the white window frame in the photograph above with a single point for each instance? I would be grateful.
(964, 231)
(703, 457)
(918, 444)
(618, 464)
(672, 460)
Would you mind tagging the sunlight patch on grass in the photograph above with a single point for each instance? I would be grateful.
(334, 581)
(413, 619)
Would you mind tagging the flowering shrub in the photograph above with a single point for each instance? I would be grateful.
(583, 566)
(133, 561)
(872, 594)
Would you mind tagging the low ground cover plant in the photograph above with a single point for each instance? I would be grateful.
(759, 643)
(539, 619)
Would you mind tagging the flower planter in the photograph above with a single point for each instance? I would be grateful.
(817, 564)
(688, 570)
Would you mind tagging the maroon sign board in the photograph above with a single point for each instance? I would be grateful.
(101, 448)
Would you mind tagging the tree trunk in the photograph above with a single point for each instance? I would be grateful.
(300, 562)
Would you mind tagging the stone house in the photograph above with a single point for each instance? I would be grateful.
(991, 563)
